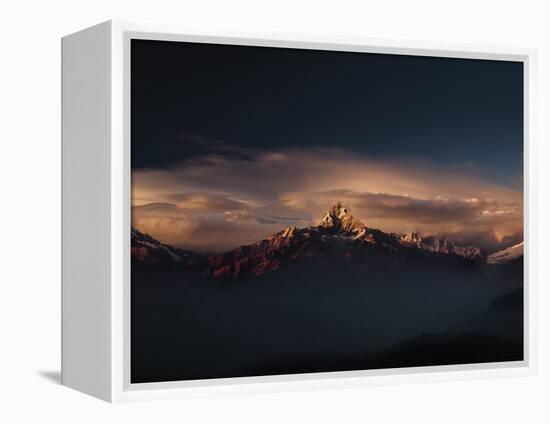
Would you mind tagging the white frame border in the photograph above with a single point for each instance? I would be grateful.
(121, 388)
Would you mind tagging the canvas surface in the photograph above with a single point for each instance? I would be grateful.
(300, 211)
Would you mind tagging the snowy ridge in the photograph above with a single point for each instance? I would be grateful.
(506, 255)
(146, 249)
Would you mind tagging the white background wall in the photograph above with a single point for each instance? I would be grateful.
(30, 208)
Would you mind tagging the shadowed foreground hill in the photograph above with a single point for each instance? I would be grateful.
(339, 296)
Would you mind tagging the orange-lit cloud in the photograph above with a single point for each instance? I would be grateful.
(216, 203)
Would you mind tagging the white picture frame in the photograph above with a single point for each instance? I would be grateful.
(96, 226)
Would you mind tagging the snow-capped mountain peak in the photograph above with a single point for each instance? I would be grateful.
(147, 250)
(339, 219)
(412, 237)
(440, 245)
(506, 255)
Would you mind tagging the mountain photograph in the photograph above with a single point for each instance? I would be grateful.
(302, 211)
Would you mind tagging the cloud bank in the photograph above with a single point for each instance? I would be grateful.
(217, 202)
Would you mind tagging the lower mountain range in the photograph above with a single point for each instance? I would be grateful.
(338, 234)
(336, 296)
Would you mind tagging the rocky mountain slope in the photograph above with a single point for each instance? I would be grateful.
(338, 234)
(148, 251)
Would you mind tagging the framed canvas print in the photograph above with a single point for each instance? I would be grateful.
(265, 211)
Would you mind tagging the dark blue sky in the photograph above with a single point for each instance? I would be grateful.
(189, 99)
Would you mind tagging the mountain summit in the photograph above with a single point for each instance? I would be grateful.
(338, 219)
(338, 235)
